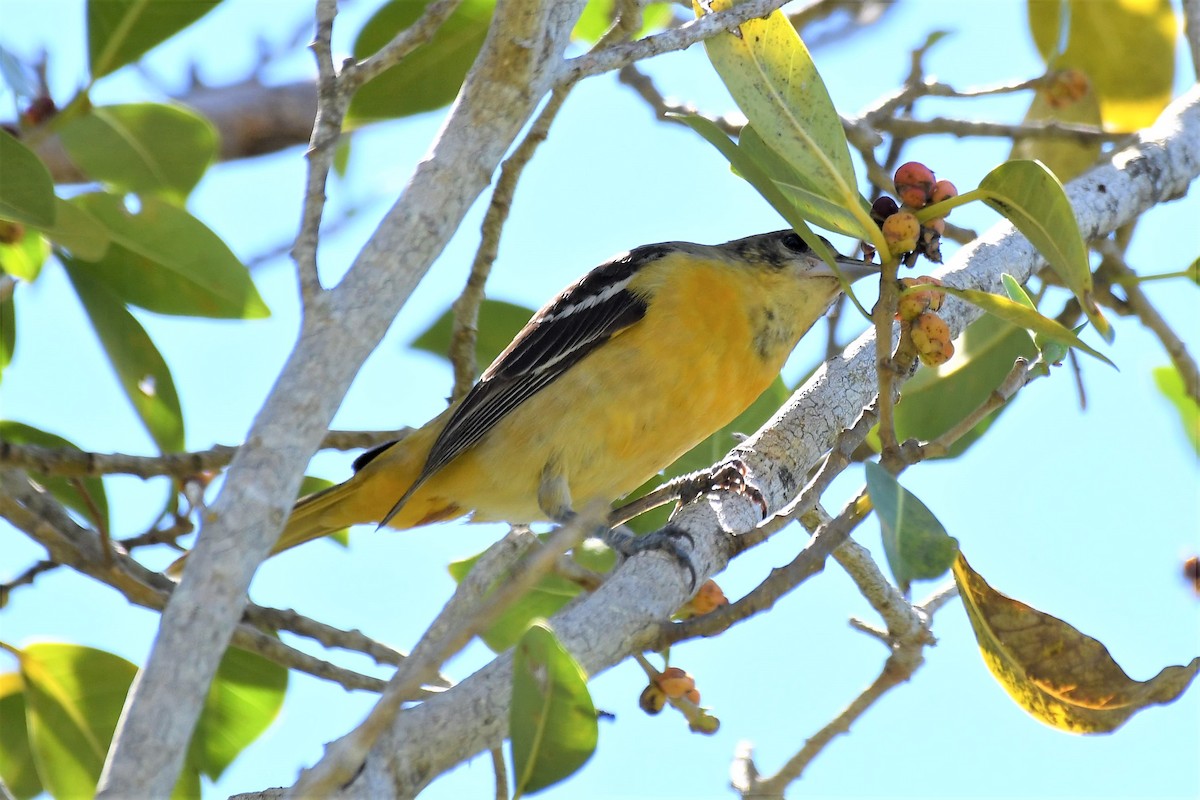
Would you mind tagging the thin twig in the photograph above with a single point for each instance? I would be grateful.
(69, 462)
(686, 35)
(1149, 316)
(39, 516)
(332, 100)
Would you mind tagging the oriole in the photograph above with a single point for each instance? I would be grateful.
(623, 372)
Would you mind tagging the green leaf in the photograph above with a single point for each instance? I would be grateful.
(753, 174)
(24, 255)
(120, 31)
(1170, 383)
(26, 189)
(142, 147)
(244, 699)
(68, 491)
(430, 76)
(312, 485)
(74, 697)
(1033, 200)
(542, 601)
(828, 214)
(935, 400)
(552, 720)
(771, 76)
(1026, 318)
(165, 260)
(140, 368)
(499, 322)
(77, 232)
(8, 332)
(17, 768)
(916, 544)
(597, 18)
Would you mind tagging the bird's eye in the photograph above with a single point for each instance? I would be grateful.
(794, 243)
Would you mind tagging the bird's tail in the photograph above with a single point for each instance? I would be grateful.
(315, 515)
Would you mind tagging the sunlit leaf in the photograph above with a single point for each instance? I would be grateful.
(244, 699)
(26, 189)
(1033, 200)
(22, 251)
(120, 31)
(597, 17)
(552, 721)
(498, 324)
(8, 332)
(915, 543)
(828, 214)
(753, 174)
(17, 769)
(1066, 156)
(68, 491)
(431, 75)
(1025, 317)
(142, 147)
(74, 697)
(1126, 48)
(1062, 677)
(165, 260)
(771, 76)
(140, 368)
(1170, 382)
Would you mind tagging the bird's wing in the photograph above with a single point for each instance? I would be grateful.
(582, 318)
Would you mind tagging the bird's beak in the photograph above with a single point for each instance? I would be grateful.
(851, 268)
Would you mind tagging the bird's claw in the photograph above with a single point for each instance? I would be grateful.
(628, 544)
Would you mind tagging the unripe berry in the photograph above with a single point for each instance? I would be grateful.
(943, 190)
(1066, 87)
(914, 184)
(652, 700)
(913, 305)
(901, 231)
(674, 682)
(931, 336)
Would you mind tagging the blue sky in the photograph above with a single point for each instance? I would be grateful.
(1085, 515)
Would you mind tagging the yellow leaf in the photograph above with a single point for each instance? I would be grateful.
(1062, 677)
(1125, 47)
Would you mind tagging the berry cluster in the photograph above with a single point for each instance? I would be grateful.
(916, 187)
(671, 683)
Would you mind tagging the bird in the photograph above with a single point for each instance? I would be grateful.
(623, 372)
